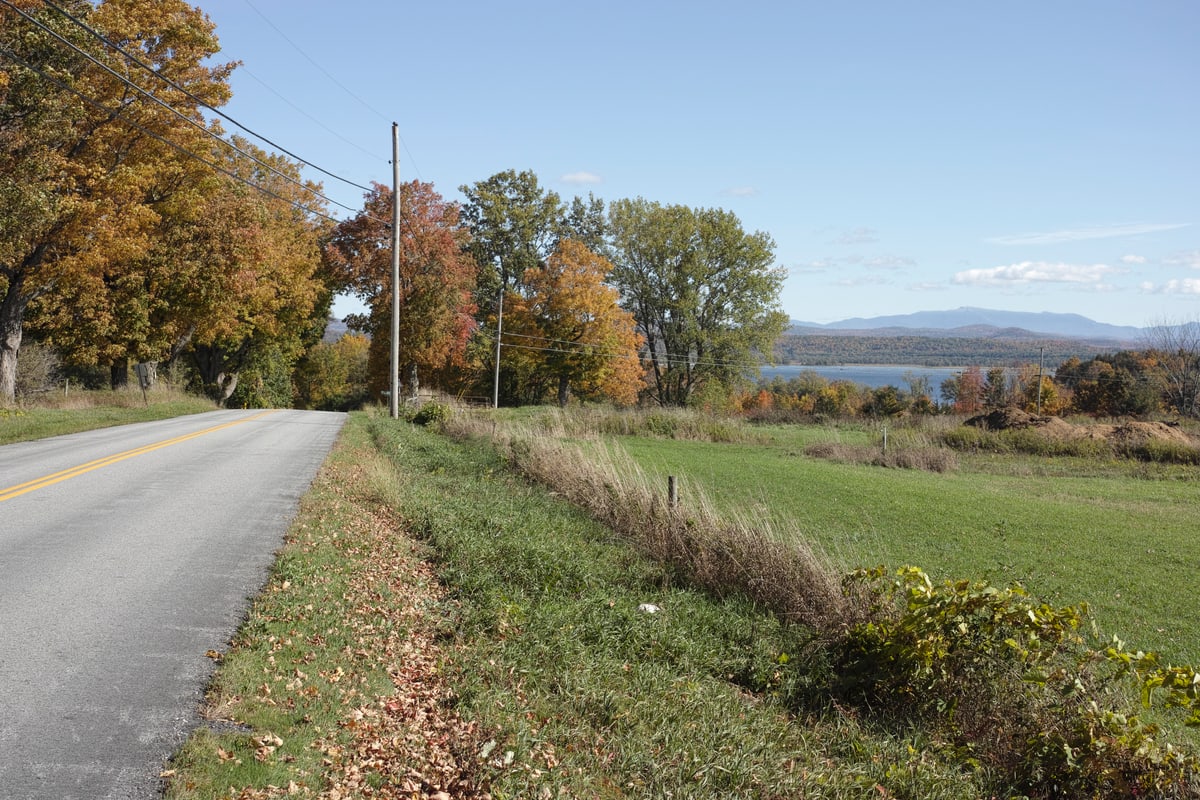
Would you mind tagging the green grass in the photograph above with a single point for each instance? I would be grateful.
(1118, 537)
(537, 632)
(86, 410)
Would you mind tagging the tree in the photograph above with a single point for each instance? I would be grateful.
(996, 390)
(86, 171)
(965, 391)
(437, 277)
(702, 291)
(332, 376)
(514, 226)
(574, 334)
(1176, 351)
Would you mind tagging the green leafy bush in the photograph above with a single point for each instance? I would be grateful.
(432, 414)
(1013, 683)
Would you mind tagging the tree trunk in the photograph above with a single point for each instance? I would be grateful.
(12, 317)
(414, 383)
(119, 374)
(564, 390)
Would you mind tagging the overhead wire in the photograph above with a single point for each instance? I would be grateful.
(135, 60)
(154, 98)
(125, 81)
(334, 80)
(117, 114)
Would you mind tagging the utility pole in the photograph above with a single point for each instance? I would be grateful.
(394, 398)
(1041, 361)
(499, 330)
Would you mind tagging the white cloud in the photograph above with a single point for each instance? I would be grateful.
(1190, 259)
(888, 262)
(1038, 272)
(581, 177)
(1174, 286)
(927, 286)
(1081, 234)
(742, 191)
(858, 236)
(864, 280)
(1132, 259)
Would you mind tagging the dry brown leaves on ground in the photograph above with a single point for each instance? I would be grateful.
(405, 745)
(409, 744)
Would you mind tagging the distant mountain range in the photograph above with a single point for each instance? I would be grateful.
(977, 323)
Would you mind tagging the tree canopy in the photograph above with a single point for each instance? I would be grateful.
(703, 292)
(437, 276)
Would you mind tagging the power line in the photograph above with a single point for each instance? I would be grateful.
(134, 59)
(117, 114)
(334, 80)
(668, 358)
(151, 96)
(247, 71)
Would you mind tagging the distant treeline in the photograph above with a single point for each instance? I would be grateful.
(826, 350)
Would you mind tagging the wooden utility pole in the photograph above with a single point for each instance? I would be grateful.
(394, 398)
(1041, 362)
(499, 330)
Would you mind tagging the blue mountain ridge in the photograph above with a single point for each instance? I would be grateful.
(1045, 323)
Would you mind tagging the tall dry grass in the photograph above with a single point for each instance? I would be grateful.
(748, 555)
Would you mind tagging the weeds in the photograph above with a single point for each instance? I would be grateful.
(748, 556)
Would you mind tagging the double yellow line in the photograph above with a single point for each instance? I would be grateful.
(73, 472)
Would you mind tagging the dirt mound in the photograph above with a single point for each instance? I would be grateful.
(1129, 434)
(1004, 419)
(1138, 433)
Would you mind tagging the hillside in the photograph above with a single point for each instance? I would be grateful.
(983, 323)
(827, 348)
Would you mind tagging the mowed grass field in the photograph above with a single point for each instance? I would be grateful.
(1122, 538)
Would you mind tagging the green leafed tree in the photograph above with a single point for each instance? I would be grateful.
(703, 292)
(514, 225)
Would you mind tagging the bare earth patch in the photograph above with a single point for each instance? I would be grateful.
(1131, 433)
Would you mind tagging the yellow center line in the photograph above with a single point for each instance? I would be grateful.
(72, 472)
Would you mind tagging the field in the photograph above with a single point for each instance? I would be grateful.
(1120, 537)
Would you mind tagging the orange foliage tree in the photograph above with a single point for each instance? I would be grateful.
(568, 334)
(437, 278)
(86, 172)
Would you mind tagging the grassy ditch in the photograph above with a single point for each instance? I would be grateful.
(88, 410)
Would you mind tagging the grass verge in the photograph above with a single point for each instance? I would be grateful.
(533, 664)
(88, 410)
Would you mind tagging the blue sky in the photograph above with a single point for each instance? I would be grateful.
(1025, 156)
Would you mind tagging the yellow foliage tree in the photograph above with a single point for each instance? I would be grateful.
(568, 335)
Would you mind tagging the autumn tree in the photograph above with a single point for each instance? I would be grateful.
(437, 278)
(571, 334)
(703, 292)
(1176, 349)
(965, 391)
(86, 171)
(332, 376)
(1111, 385)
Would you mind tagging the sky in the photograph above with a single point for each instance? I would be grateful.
(1021, 156)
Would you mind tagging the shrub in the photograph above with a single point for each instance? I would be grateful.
(432, 414)
(1012, 682)
(1163, 451)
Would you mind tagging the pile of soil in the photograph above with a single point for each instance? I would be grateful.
(1130, 434)
(1005, 419)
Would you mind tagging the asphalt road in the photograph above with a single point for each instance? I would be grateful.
(125, 555)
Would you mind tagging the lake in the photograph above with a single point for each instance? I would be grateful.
(872, 375)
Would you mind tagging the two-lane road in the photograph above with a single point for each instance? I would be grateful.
(125, 555)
